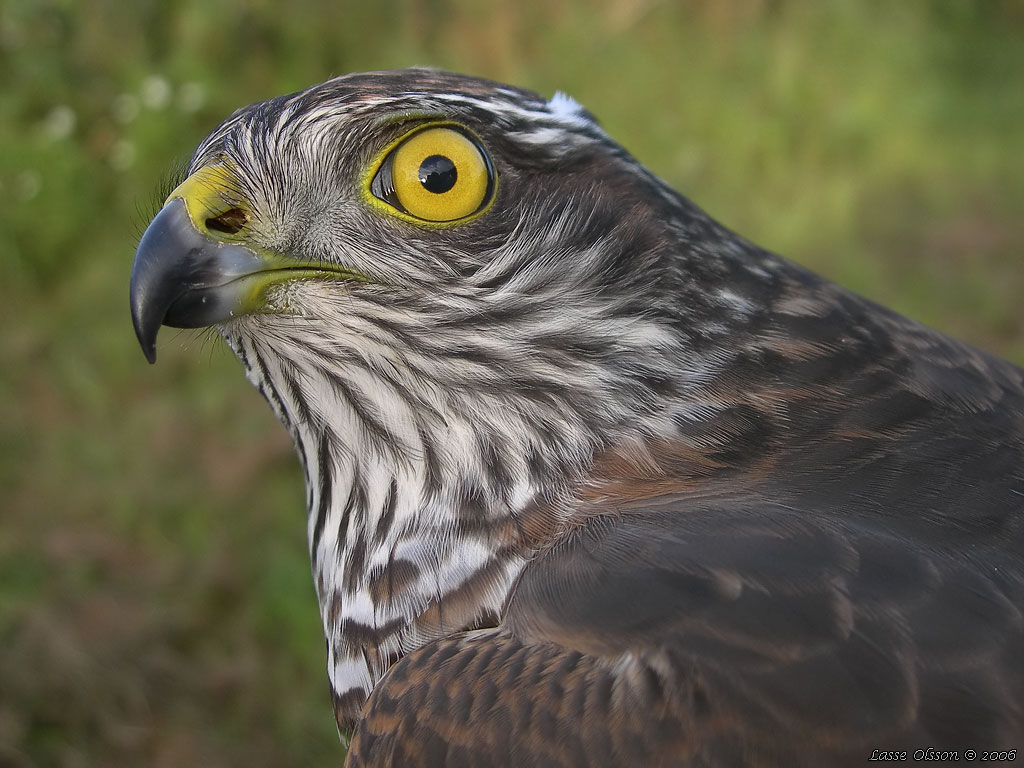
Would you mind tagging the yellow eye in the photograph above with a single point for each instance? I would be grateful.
(438, 174)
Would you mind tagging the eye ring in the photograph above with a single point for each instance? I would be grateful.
(438, 174)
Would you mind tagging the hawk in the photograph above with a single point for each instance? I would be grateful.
(590, 479)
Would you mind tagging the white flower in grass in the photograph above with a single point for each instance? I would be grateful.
(60, 123)
(156, 92)
(28, 184)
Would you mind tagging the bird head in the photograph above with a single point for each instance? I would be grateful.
(440, 238)
(421, 186)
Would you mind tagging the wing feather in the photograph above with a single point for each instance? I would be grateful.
(743, 633)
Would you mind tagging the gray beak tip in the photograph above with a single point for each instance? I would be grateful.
(185, 279)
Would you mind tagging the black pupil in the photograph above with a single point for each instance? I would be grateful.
(438, 174)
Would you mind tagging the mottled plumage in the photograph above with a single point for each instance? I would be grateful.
(591, 480)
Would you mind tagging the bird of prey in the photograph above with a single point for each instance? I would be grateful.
(590, 479)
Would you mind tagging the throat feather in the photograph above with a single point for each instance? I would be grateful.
(412, 535)
(437, 464)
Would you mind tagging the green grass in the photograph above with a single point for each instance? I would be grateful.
(155, 600)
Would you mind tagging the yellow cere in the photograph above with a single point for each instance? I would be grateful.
(207, 194)
(439, 175)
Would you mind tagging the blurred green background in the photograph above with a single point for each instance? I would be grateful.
(155, 600)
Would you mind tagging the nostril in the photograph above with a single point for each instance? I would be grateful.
(229, 222)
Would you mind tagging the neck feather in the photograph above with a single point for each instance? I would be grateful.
(442, 450)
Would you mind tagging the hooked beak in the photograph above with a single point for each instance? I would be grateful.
(185, 279)
(186, 276)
